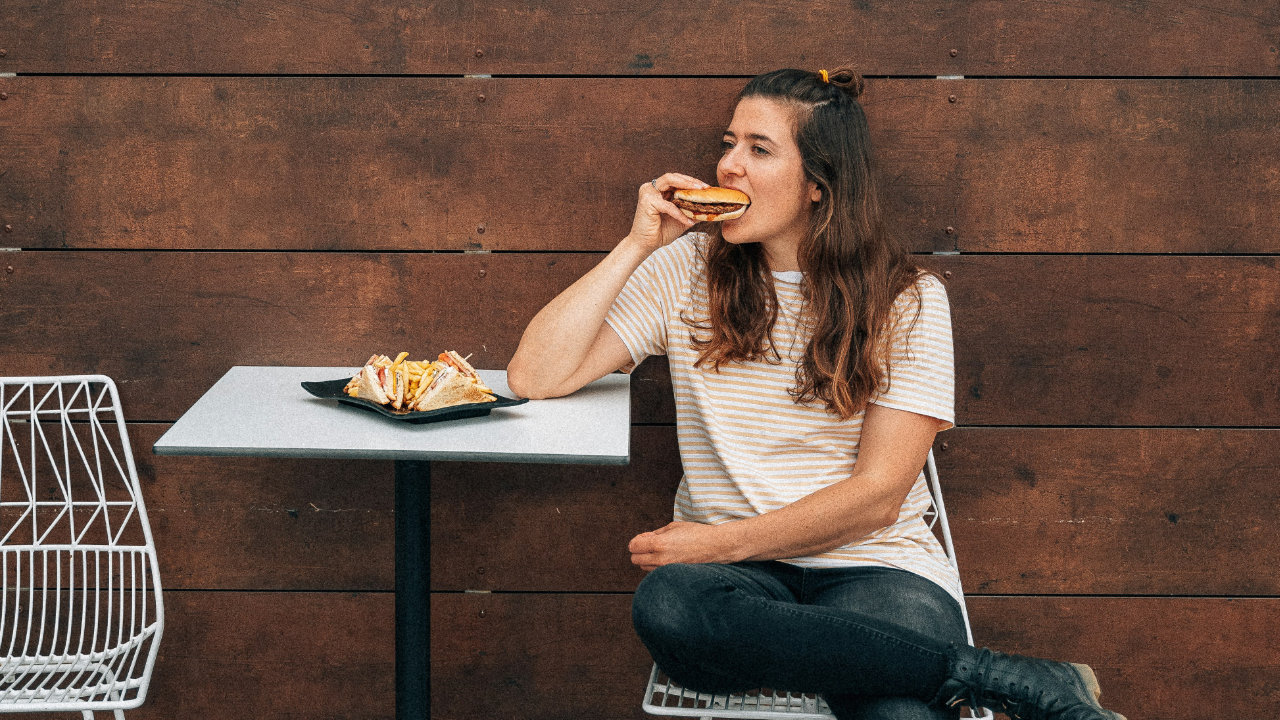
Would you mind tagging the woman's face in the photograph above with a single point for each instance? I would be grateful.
(760, 158)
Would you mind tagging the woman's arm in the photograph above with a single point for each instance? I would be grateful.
(567, 344)
(892, 451)
(570, 334)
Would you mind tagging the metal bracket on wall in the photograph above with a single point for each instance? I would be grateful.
(950, 77)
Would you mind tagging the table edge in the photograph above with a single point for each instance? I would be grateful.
(355, 454)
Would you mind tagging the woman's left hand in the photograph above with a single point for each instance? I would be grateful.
(680, 542)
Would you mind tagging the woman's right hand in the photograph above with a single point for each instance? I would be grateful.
(657, 220)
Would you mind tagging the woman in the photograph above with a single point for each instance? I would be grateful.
(812, 368)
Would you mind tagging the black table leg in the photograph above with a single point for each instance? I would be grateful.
(413, 589)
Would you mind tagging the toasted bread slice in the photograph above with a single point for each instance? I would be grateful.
(355, 379)
(400, 378)
(465, 368)
(441, 374)
(452, 388)
(370, 387)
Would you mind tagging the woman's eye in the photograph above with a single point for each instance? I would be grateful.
(762, 150)
(725, 146)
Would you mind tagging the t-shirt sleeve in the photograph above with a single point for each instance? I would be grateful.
(640, 313)
(921, 376)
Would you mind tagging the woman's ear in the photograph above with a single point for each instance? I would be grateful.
(815, 194)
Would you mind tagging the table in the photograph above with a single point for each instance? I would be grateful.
(264, 412)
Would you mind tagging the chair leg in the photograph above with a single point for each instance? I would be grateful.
(86, 714)
(119, 715)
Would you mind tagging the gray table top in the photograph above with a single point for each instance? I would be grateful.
(264, 412)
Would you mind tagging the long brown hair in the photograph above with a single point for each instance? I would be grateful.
(854, 267)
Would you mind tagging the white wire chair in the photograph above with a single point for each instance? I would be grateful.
(664, 696)
(81, 613)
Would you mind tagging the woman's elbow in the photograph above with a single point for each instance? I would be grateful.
(516, 381)
(522, 385)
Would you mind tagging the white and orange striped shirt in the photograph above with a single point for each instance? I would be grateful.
(747, 446)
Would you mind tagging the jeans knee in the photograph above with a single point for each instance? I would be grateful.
(670, 604)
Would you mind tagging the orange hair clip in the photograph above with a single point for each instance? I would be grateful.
(825, 79)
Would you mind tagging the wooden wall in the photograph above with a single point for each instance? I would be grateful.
(199, 185)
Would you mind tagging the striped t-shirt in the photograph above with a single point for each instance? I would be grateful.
(746, 446)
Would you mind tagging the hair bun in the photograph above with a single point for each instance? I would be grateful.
(848, 79)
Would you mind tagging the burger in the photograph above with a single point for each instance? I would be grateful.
(711, 204)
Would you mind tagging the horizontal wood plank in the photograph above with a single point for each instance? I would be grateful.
(1118, 511)
(1115, 511)
(166, 326)
(504, 655)
(1040, 340)
(1178, 512)
(330, 655)
(268, 524)
(601, 37)
(1088, 340)
(274, 655)
(554, 164)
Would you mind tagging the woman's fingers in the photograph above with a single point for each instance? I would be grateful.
(665, 206)
(676, 180)
(670, 209)
(649, 226)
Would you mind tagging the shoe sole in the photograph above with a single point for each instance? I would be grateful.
(1091, 684)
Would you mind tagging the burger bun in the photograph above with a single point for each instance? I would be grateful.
(710, 195)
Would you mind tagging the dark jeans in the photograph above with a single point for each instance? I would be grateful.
(871, 640)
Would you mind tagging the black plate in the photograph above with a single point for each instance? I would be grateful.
(332, 390)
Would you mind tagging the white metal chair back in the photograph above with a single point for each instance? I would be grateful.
(664, 697)
(81, 614)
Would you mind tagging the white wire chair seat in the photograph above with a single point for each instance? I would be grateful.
(663, 696)
(81, 611)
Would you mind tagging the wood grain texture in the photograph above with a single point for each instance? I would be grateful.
(1118, 511)
(395, 164)
(1039, 340)
(1114, 511)
(1089, 340)
(274, 655)
(577, 655)
(330, 655)
(268, 524)
(601, 37)
(166, 326)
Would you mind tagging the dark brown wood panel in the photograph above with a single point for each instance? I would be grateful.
(166, 326)
(602, 37)
(1030, 510)
(1113, 511)
(544, 656)
(268, 524)
(1089, 340)
(274, 655)
(1040, 340)
(554, 164)
(330, 655)
(342, 163)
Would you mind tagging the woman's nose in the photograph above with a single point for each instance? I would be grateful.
(729, 164)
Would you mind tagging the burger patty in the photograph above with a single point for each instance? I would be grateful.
(708, 208)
